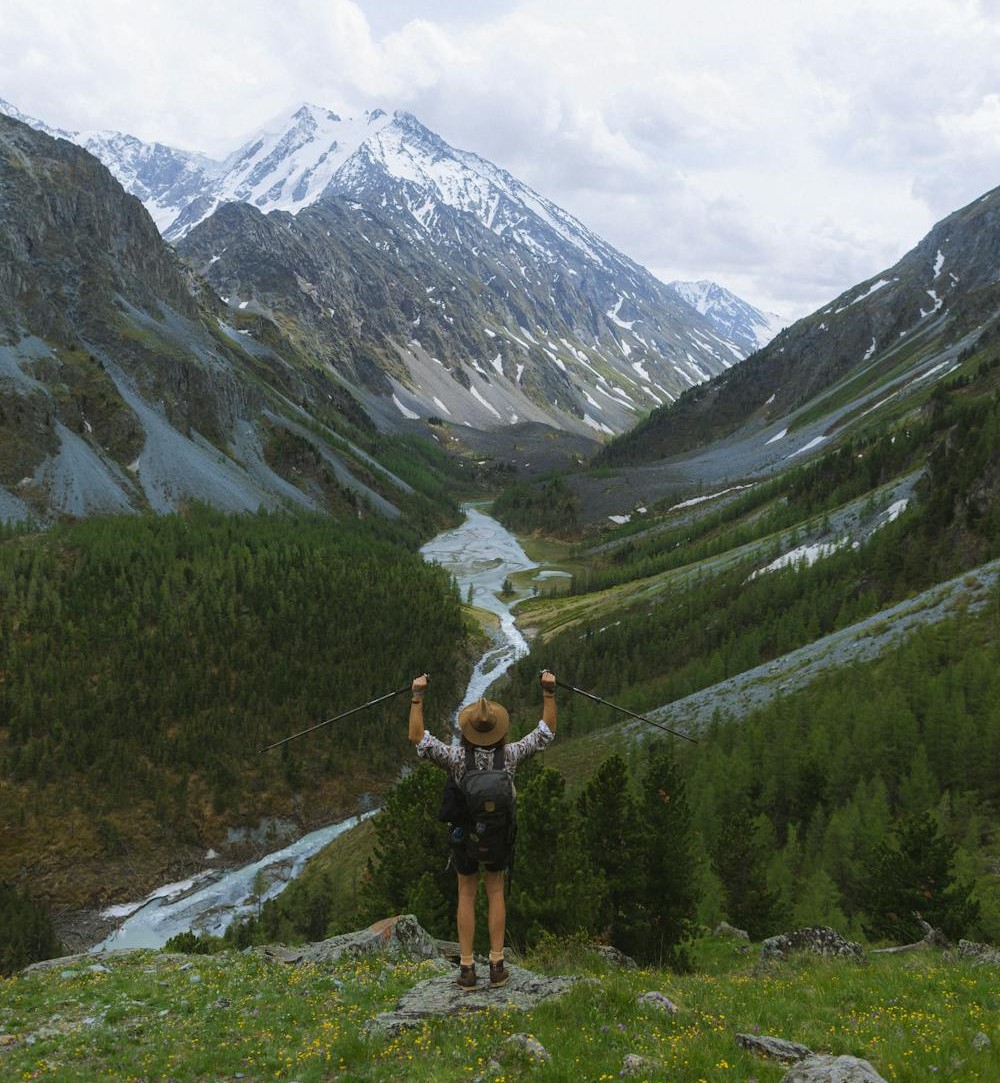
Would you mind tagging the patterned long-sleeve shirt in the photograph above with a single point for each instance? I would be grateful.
(452, 757)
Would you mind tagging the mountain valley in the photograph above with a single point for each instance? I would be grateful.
(302, 394)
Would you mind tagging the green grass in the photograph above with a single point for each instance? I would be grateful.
(145, 1015)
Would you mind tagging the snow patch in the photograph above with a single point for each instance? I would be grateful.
(777, 436)
(711, 496)
(476, 395)
(938, 302)
(612, 315)
(896, 510)
(403, 410)
(815, 442)
(803, 555)
(598, 425)
(872, 289)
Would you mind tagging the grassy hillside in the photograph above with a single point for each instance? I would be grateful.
(143, 1015)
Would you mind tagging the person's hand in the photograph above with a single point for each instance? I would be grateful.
(548, 681)
(419, 685)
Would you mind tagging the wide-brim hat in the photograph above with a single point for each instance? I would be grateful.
(484, 722)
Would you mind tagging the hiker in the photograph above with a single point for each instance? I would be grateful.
(483, 748)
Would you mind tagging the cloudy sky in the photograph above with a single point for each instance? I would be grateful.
(786, 149)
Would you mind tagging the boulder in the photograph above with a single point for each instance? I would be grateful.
(636, 1065)
(400, 937)
(440, 996)
(724, 929)
(978, 953)
(523, 1048)
(815, 940)
(822, 1068)
(613, 956)
(661, 1003)
(776, 1048)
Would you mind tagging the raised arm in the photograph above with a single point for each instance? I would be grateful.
(417, 690)
(549, 699)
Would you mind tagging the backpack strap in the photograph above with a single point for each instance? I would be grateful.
(499, 759)
(470, 758)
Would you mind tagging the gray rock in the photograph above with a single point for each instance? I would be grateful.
(613, 956)
(396, 937)
(662, 1003)
(775, 1048)
(815, 939)
(440, 996)
(822, 1068)
(724, 929)
(979, 953)
(636, 1065)
(981, 1042)
(523, 1047)
(66, 961)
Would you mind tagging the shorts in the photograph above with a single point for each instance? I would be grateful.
(468, 866)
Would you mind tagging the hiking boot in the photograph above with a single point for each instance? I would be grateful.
(466, 979)
(498, 974)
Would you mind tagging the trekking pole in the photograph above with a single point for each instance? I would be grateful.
(336, 718)
(625, 710)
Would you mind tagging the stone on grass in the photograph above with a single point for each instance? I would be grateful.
(636, 1065)
(822, 1068)
(614, 956)
(814, 940)
(776, 1048)
(523, 1047)
(439, 997)
(724, 929)
(979, 953)
(395, 938)
(662, 1003)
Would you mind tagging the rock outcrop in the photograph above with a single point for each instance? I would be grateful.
(402, 937)
(440, 996)
(815, 940)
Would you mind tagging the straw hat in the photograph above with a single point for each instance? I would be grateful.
(483, 723)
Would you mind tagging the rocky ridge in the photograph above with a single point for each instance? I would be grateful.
(124, 384)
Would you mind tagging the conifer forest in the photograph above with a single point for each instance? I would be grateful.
(146, 661)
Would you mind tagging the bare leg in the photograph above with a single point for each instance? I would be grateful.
(497, 912)
(468, 887)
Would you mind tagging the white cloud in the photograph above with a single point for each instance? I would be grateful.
(787, 150)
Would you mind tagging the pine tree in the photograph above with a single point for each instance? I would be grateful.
(669, 859)
(741, 864)
(912, 878)
(612, 838)
(410, 843)
(26, 933)
(553, 888)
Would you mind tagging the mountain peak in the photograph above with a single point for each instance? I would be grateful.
(733, 317)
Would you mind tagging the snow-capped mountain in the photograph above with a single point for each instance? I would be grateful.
(418, 257)
(734, 318)
(498, 307)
